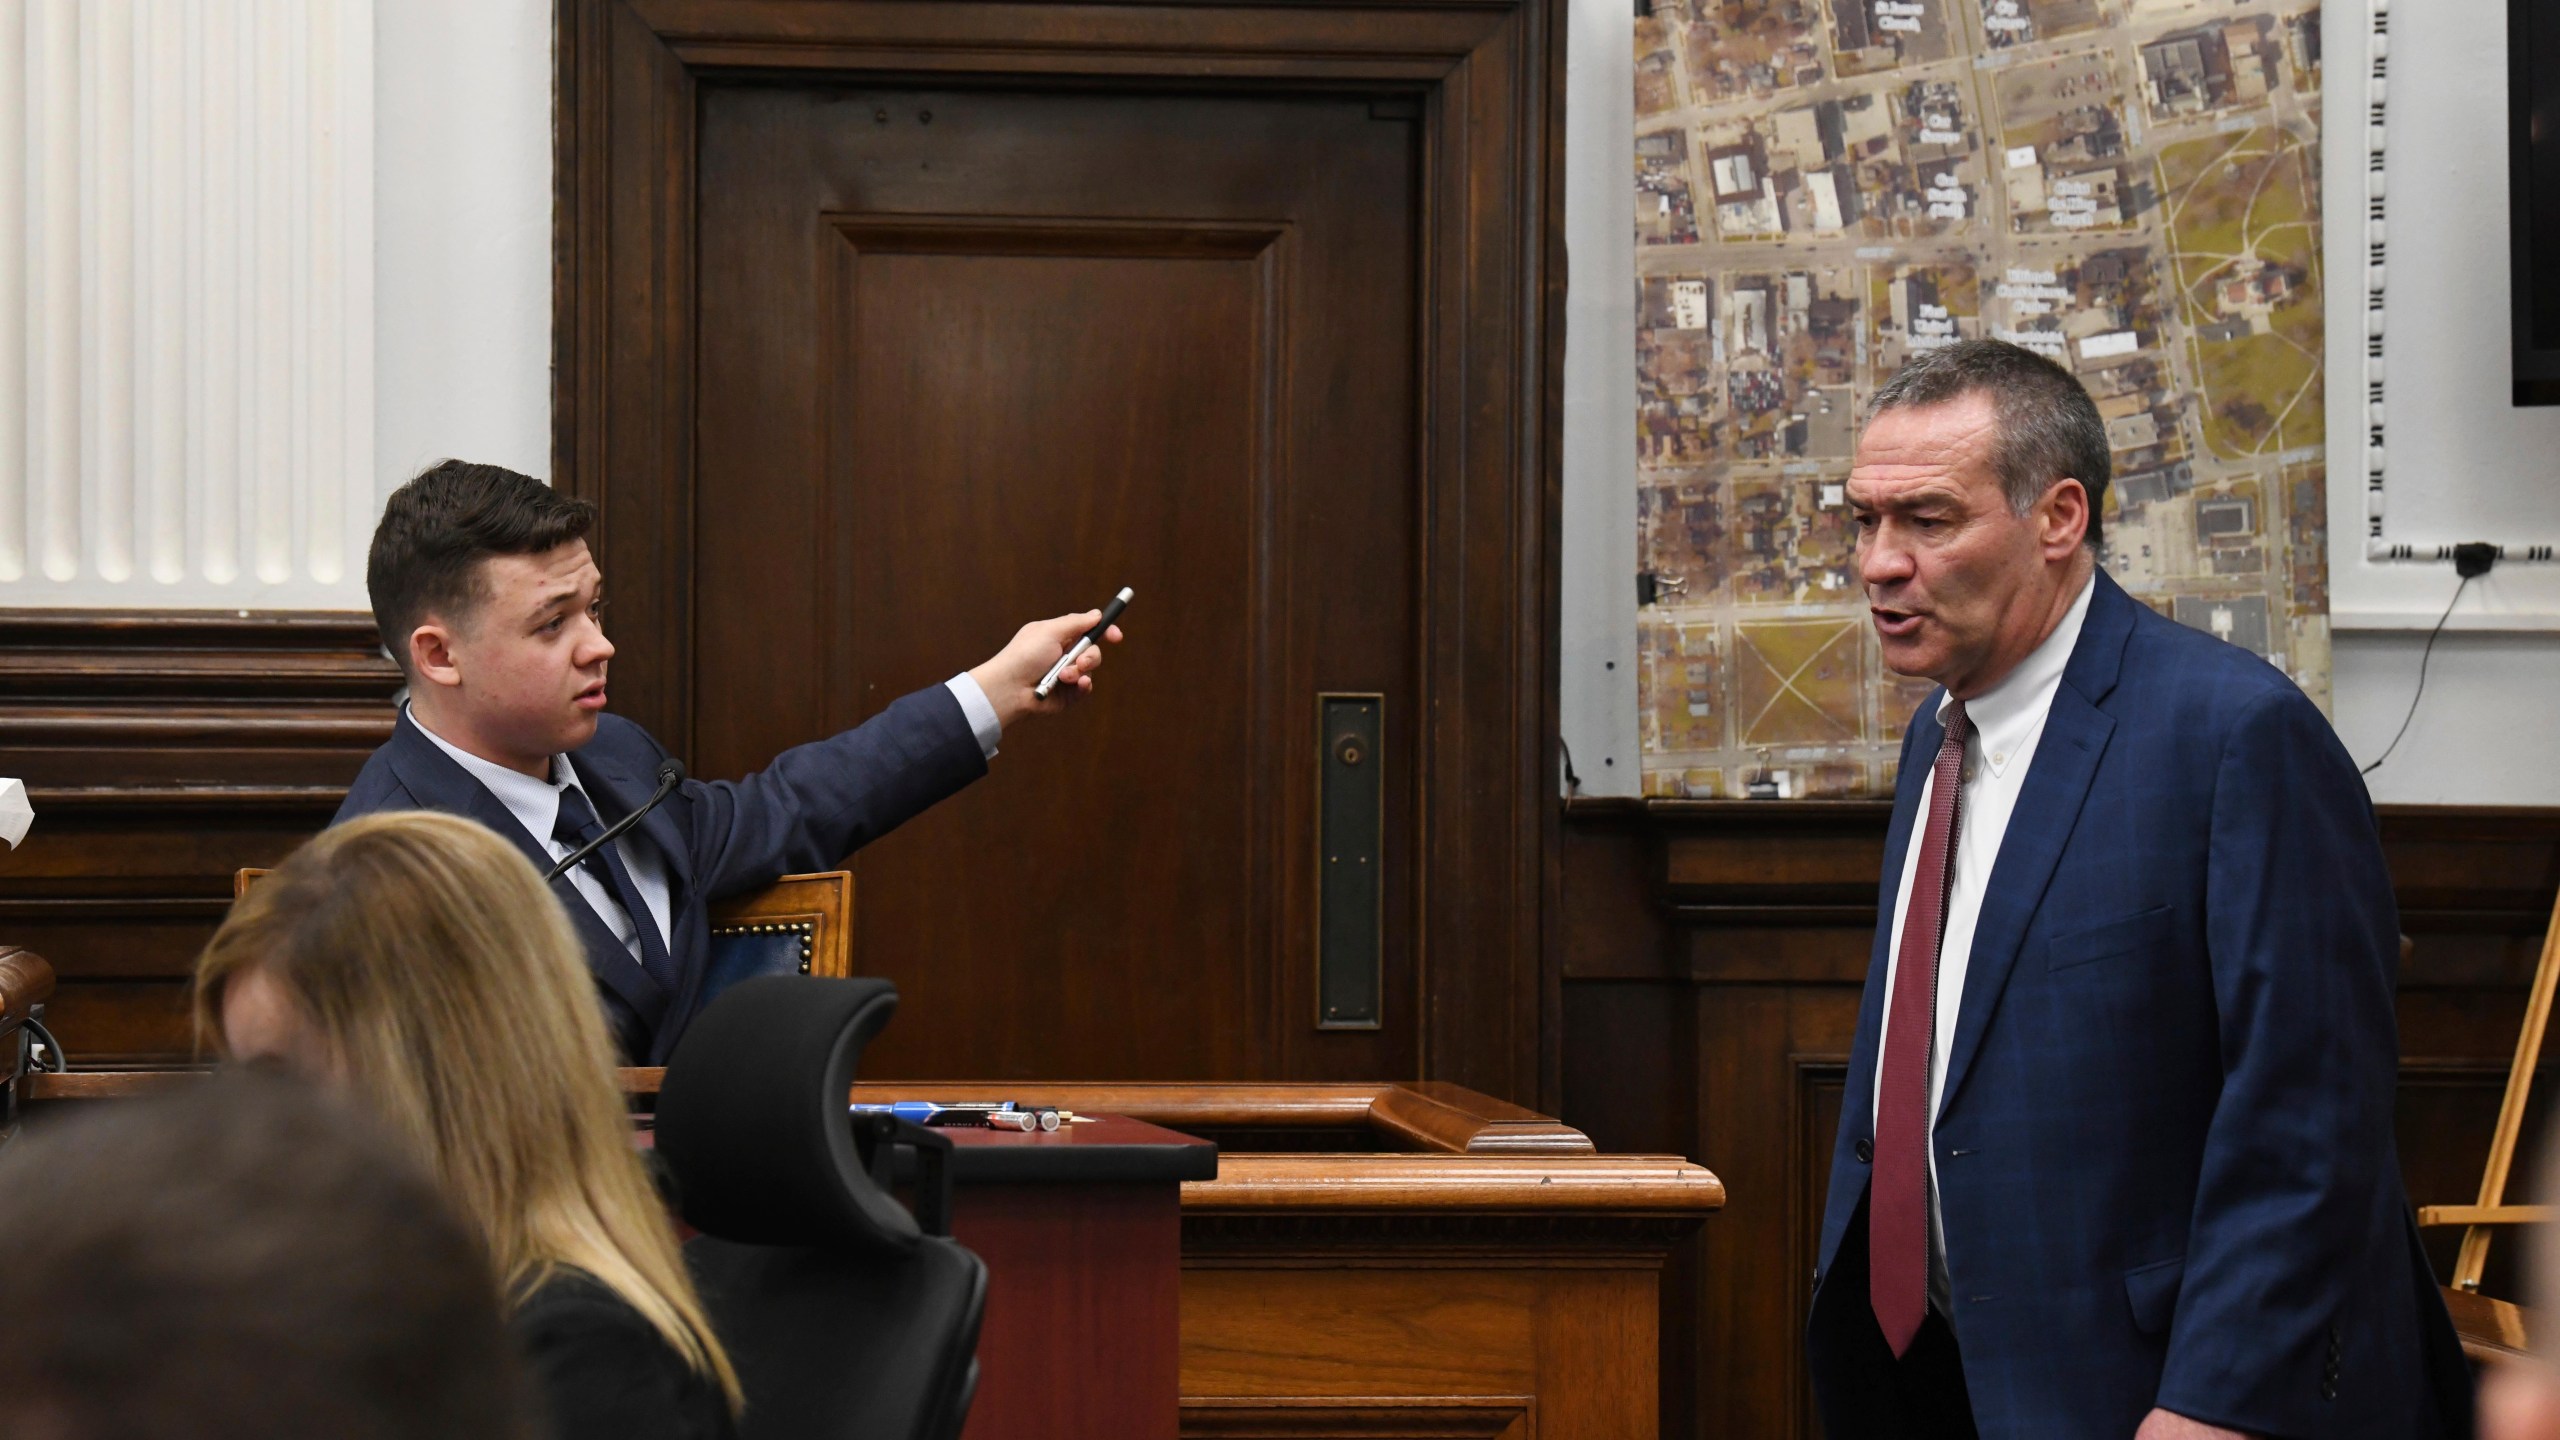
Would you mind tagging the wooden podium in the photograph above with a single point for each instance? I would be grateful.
(1081, 1229)
(1399, 1260)
(1370, 1260)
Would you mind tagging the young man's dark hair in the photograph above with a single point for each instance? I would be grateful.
(436, 530)
(247, 1259)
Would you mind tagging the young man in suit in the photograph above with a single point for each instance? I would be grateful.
(487, 596)
(2116, 1153)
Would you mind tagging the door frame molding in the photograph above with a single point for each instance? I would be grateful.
(1489, 77)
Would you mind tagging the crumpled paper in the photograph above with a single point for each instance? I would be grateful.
(15, 813)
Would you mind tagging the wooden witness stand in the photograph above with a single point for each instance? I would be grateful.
(2498, 1329)
(1371, 1260)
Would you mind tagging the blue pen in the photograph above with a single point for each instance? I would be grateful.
(920, 1112)
(913, 1111)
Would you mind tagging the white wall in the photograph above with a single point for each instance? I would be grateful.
(463, 264)
(2463, 463)
(2466, 465)
(1599, 543)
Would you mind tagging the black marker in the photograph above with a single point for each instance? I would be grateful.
(1084, 642)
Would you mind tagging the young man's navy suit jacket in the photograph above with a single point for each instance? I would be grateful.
(2164, 1150)
(814, 805)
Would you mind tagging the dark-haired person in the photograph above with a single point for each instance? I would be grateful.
(487, 596)
(2116, 1155)
(244, 1260)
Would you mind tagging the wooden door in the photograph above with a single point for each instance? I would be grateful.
(971, 357)
(885, 326)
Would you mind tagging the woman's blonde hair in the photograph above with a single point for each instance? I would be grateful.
(447, 990)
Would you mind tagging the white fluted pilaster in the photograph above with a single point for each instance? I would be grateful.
(186, 342)
(14, 394)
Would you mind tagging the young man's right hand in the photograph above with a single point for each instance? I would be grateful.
(1009, 675)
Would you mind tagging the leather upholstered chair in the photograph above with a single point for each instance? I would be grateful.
(845, 1313)
(798, 925)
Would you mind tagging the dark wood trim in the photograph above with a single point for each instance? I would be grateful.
(1436, 1115)
(107, 706)
(185, 630)
(1808, 1168)
(1760, 858)
(128, 711)
(162, 749)
(1543, 397)
(1489, 75)
(1421, 1116)
(144, 801)
(1298, 1417)
(2510, 823)
(1329, 42)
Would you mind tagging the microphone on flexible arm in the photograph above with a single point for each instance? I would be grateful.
(670, 775)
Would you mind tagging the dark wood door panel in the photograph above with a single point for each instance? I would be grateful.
(1111, 444)
(1391, 165)
(965, 370)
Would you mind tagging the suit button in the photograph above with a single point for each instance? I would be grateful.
(2328, 1389)
(1866, 1151)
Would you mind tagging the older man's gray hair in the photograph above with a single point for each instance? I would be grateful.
(2047, 428)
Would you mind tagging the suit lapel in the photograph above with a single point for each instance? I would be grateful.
(617, 794)
(430, 775)
(2066, 761)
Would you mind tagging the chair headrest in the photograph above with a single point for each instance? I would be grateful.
(752, 1118)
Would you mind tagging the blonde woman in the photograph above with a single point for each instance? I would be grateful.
(417, 961)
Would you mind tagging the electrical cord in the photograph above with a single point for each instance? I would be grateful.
(2470, 562)
(54, 1060)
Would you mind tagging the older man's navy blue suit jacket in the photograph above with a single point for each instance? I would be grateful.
(2164, 1149)
(811, 807)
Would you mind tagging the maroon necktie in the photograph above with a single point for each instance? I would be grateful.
(1898, 1194)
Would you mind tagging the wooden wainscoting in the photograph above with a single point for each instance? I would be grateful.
(164, 750)
(1712, 956)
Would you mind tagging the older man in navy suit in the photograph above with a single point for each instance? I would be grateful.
(2116, 1157)
(486, 594)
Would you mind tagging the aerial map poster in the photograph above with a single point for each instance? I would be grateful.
(1826, 187)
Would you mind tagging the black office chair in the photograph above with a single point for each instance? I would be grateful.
(845, 1314)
